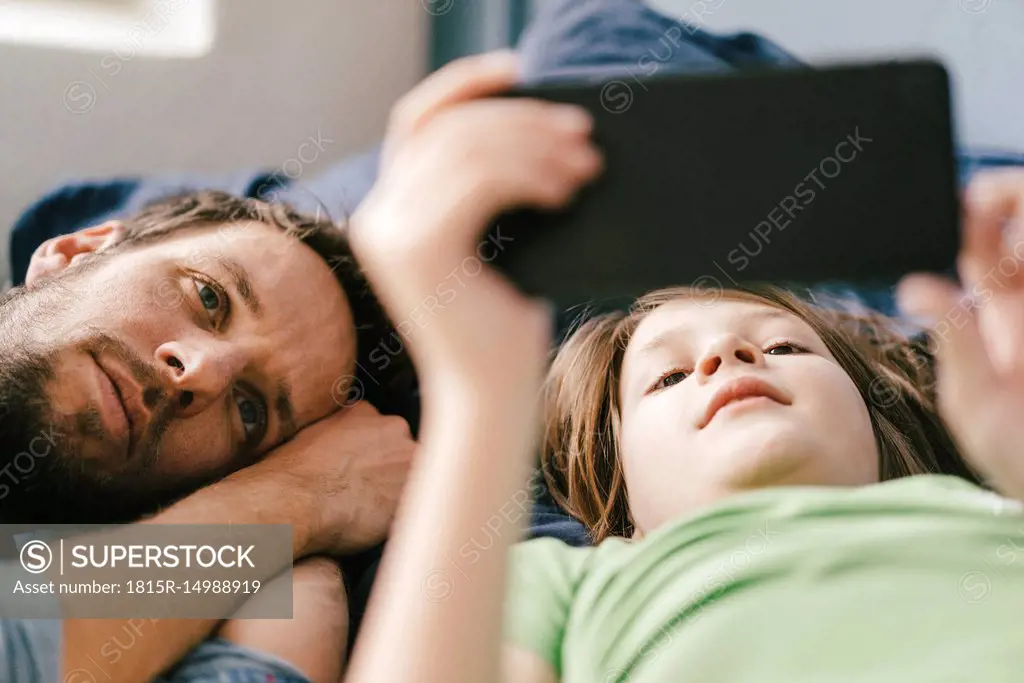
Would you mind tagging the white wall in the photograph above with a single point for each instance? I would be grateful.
(278, 73)
(981, 41)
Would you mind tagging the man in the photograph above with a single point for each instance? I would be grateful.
(147, 358)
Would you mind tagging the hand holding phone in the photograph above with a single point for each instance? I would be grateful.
(454, 160)
(797, 175)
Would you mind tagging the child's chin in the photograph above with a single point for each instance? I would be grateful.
(766, 451)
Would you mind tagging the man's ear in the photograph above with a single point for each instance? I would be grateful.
(58, 253)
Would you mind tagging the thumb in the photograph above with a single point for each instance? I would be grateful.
(965, 373)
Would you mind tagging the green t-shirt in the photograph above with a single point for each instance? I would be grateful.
(906, 581)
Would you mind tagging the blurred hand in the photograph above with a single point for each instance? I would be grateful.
(452, 163)
(355, 463)
(980, 331)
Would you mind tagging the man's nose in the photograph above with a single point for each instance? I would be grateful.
(200, 371)
(726, 350)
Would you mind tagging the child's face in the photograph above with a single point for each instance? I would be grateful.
(814, 429)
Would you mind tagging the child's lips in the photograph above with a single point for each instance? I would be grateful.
(741, 389)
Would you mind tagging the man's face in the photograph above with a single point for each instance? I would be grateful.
(166, 365)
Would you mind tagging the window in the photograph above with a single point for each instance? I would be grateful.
(164, 28)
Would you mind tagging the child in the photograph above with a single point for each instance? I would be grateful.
(758, 476)
(587, 390)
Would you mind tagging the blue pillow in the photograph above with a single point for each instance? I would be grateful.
(606, 39)
(77, 205)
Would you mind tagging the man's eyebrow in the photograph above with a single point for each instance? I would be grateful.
(285, 412)
(243, 284)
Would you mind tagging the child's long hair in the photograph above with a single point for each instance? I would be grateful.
(580, 451)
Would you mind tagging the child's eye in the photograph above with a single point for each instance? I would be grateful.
(668, 379)
(784, 349)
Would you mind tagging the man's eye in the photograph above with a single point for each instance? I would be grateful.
(253, 418)
(213, 300)
(210, 298)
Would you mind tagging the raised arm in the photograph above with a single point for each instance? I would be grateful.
(452, 164)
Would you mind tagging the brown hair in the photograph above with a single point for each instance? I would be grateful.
(580, 455)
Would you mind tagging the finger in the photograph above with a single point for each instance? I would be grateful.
(965, 372)
(991, 201)
(458, 81)
(566, 175)
(545, 151)
(563, 157)
(554, 137)
(527, 118)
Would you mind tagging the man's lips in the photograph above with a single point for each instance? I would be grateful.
(740, 389)
(123, 405)
(112, 411)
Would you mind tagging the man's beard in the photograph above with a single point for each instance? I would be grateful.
(38, 482)
(43, 478)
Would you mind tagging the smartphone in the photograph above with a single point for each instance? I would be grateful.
(808, 176)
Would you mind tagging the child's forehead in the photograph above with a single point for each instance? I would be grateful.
(694, 316)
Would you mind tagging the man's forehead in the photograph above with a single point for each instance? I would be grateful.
(253, 245)
(235, 233)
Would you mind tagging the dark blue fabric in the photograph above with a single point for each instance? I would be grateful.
(221, 661)
(65, 209)
(74, 206)
(30, 650)
(547, 520)
(607, 39)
